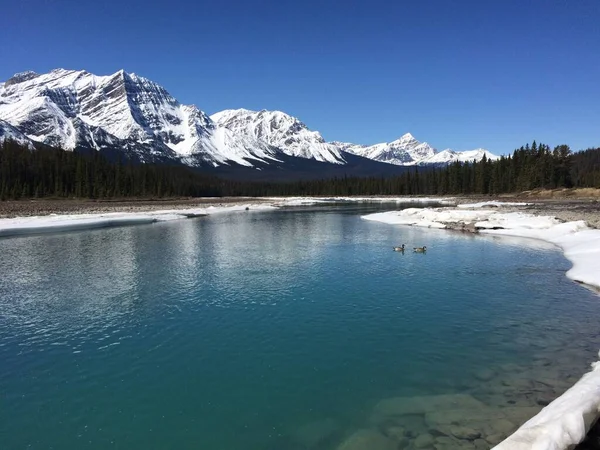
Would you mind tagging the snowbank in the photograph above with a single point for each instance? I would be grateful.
(300, 201)
(492, 203)
(74, 222)
(566, 421)
(580, 244)
(428, 217)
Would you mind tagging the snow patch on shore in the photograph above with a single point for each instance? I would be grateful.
(492, 203)
(565, 421)
(303, 201)
(53, 223)
(580, 244)
(430, 218)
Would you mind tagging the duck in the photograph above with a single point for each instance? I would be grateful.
(399, 249)
(420, 249)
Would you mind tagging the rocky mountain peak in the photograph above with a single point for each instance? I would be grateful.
(20, 77)
(75, 108)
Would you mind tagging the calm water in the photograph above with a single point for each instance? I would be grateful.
(231, 331)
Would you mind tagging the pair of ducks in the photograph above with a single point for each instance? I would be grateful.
(415, 249)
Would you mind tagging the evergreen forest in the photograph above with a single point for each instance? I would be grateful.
(51, 172)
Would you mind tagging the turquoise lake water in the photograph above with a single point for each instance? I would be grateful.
(232, 331)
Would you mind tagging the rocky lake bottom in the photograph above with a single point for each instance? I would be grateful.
(492, 404)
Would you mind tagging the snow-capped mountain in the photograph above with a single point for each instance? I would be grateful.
(403, 152)
(138, 117)
(70, 109)
(449, 156)
(7, 131)
(407, 151)
(279, 130)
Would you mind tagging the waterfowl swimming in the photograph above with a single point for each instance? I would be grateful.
(399, 249)
(420, 249)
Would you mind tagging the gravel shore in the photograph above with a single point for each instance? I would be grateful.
(25, 208)
(565, 209)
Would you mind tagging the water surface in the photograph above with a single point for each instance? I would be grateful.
(233, 331)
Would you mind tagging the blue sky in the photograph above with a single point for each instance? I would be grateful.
(456, 73)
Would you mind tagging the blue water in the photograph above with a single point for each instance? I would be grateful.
(230, 331)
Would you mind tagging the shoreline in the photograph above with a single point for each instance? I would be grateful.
(566, 208)
(10, 209)
(25, 218)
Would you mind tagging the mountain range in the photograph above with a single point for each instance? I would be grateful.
(127, 114)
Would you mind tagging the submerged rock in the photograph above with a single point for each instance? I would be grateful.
(395, 432)
(480, 444)
(412, 425)
(472, 424)
(450, 443)
(465, 433)
(454, 421)
(423, 441)
(485, 374)
(318, 433)
(504, 426)
(368, 440)
(512, 368)
(400, 406)
(543, 400)
(496, 438)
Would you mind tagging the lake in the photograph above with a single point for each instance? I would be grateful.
(282, 330)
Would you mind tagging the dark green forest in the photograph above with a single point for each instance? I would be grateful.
(48, 172)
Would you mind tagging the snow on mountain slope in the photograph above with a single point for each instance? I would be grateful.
(280, 130)
(69, 108)
(7, 131)
(404, 151)
(130, 113)
(407, 151)
(449, 156)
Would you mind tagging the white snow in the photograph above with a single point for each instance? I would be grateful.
(564, 422)
(281, 131)
(403, 151)
(495, 203)
(53, 223)
(300, 201)
(71, 108)
(7, 131)
(449, 156)
(408, 151)
(429, 217)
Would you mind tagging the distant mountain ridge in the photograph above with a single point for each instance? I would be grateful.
(404, 151)
(131, 114)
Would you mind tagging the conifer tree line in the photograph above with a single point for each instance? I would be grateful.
(48, 172)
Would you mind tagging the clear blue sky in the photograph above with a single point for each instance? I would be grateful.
(456, 73)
